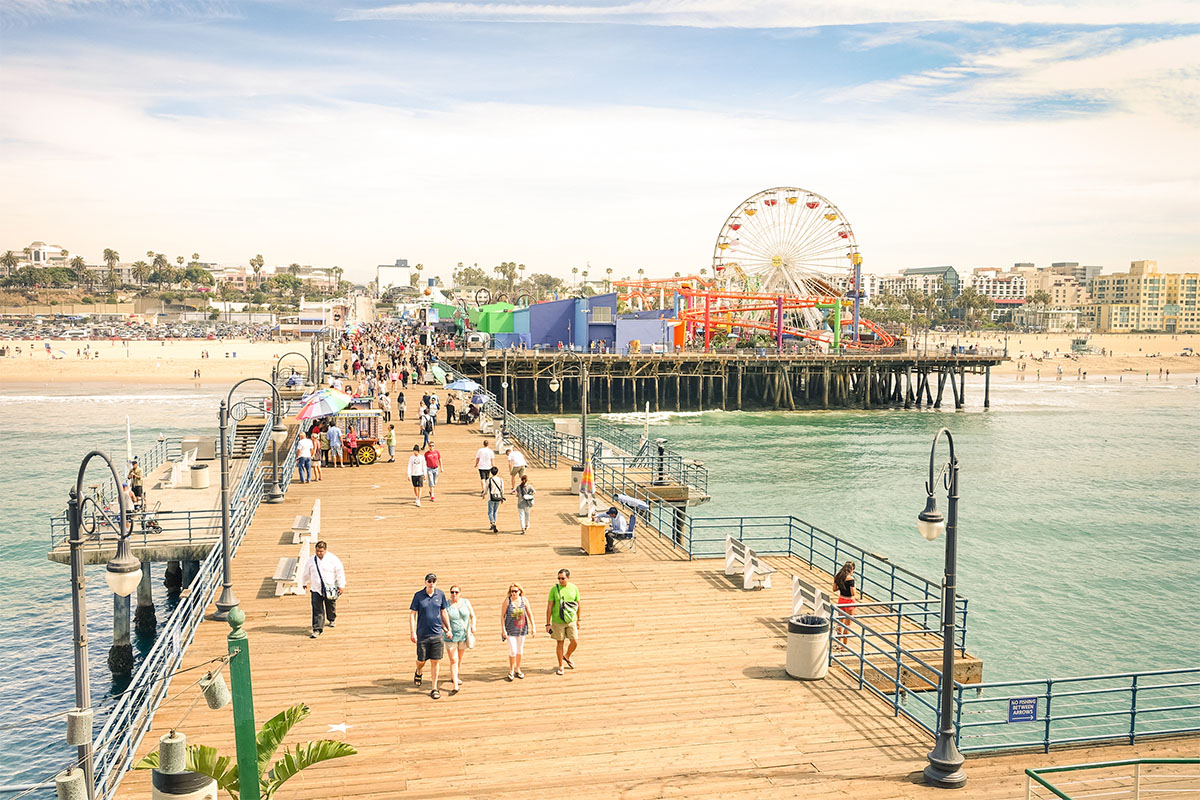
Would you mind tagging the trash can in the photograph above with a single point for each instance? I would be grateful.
(199, 476)
(808, 647)
(576, 478)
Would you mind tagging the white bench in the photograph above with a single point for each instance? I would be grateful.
(807, 598)
(307, 526)
(287, 572)
(755, 574)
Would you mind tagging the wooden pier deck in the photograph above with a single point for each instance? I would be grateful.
(679, 692)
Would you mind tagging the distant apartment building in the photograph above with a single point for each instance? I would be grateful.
(37, 254)
(238, 277)
(843, 284)
(1083, 275)
(993, 282)
(1144, 299)
(1051, 320)
(926, 280)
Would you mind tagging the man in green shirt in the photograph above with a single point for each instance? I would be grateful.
(563, 618)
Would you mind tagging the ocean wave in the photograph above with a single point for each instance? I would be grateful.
(655, 417)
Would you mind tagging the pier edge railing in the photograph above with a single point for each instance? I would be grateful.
(1132, 779)
(908, 596)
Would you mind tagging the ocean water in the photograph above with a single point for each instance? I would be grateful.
(53, 430)
(1078, 521)
(1079, 510)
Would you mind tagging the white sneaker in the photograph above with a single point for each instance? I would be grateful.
(418, 502)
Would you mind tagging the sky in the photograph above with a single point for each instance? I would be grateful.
(612, 133)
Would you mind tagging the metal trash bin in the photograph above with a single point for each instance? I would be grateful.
(808, 647)
(576, 478)
(199, 476)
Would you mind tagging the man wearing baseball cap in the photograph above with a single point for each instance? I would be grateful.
(428, 622)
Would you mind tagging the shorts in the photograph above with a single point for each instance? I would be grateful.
(560, 631)
(430, 649)
(484, 474)
(517, 471)
(418, 480)
(516, 645)
(137, 491)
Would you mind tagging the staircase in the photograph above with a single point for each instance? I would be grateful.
(246, 436)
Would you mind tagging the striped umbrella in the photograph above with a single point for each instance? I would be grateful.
(587, 484)
(323, 403)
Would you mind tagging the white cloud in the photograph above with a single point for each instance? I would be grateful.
(773, 14)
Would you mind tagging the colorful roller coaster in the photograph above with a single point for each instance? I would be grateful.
(700, 303)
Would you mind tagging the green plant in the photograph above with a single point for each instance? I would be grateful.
(205, 760)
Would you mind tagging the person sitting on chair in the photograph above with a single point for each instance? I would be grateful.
(616, 522)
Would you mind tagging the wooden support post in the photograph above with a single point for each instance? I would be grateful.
(534, 381)
(987, 385)
(954, 389)
(608, 394)
(941, 386)
(633, 389)
(928, 393)
(908, 392)
(962, 387)
(677, 368)
(867, 388)
(656, 390)
(739, 385)
(825, 386)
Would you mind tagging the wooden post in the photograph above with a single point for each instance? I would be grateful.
(825, 386)
(867, 388)
(608, 394)
(954, 389)
(677, 370)
(941, 385)
(962, 387)
(987, 385)
(738, 367)
(656, 376)
(908, 392)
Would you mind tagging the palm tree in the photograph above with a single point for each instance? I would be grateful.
(1039, 298)
(179, 260)
(574, 272)
(8, 261)
(223, 769)
(608, 279)
(521, 270)
(420, 268)
(293, 269)
(141, 270)
(161, 266)
(81, 271)
(641, 274)
(256, 264)
(337, 278)
(112, 258)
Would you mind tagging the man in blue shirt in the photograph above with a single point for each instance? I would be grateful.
(335, 443)
(428, 622)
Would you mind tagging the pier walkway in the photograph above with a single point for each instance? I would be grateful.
(680, 689)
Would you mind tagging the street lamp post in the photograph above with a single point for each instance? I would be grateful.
(227, 601)
(122, 574)
(945, 761)
(583, 403)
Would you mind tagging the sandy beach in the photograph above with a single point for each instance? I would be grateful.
(175, 361)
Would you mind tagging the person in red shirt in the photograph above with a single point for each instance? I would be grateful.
(433, 466)
(352, 444)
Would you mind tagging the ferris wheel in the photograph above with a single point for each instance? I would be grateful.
(788, 241)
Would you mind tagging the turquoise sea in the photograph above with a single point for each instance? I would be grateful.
(1078, 520)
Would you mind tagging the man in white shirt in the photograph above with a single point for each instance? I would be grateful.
(484, 457)
(516, 466)
(325, 579)
(416, 471)
(304, 451)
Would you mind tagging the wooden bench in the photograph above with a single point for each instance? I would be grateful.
(755, 574)
(307, 526)
(287, 572)
(808, 599)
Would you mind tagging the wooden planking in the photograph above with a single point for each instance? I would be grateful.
(679, 690)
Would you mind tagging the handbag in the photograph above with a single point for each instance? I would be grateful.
(330, 592)
(470, 638)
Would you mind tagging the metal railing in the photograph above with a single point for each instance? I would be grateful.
(148, 528)
(1135, 779)
(1095, 708)
(133, 714)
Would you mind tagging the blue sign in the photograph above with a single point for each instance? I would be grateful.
(1022, 709)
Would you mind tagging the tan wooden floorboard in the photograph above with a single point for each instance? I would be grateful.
(679, 692)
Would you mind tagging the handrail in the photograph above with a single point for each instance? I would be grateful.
(1116, 787)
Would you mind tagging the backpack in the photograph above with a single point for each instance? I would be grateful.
(426, 424)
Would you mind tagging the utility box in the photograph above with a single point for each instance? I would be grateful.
(576, 477)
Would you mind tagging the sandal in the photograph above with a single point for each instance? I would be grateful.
(416, 679)
(435, 694)
(570, 664)
(508, 677)
(520, 674)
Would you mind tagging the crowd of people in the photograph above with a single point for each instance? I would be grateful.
(380, 363)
